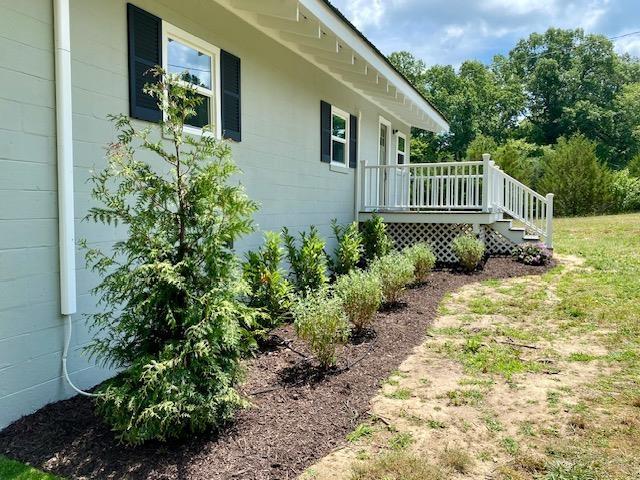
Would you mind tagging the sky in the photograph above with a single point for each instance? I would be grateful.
(451, 31)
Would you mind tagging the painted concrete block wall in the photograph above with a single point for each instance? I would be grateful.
(279, 155)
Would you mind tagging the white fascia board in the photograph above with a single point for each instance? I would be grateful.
(328, 17)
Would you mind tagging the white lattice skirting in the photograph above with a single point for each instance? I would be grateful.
(440, 236)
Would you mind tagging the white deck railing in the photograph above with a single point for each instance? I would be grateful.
(455, 186)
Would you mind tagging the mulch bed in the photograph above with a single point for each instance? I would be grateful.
(299, 414)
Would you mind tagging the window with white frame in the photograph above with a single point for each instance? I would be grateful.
(196, 62)
(402, 148)
(339, 136)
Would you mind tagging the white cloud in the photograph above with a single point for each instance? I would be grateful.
(630, 45)
(451, 31)
(364, 13)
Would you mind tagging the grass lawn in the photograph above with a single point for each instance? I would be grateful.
(535, 378)
(11, 470)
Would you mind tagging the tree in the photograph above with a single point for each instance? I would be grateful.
(576, 177)
(571, 80)
(172, 319)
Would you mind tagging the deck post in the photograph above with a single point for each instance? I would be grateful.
(486, 182)
(360, 179)
(549, 236)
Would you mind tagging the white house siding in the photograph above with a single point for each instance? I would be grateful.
(279, 154)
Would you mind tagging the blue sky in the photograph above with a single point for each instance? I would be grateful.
(451, 31)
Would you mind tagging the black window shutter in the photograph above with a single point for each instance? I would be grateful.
(353, 141)
(325, 132)
(230, 103)
(145, 52)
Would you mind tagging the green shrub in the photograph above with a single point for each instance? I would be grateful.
(573, 173)
(423, 260)
(395, 272)
(634, 166)
(269, 290)
(171, 318)
(469, 250)
(375, 240)
(308, 263)
(320, 321)
(625, 192)
(361, 295)
(349, 250)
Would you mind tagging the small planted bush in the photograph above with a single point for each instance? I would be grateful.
(360, 293)
(529, 254)
(308, 261)
(320, 321)
(269, 290)
(423, 260)
(349, 250)
(375, 240)
(395, 272)
(469, 250)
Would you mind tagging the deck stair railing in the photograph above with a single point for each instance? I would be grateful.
(476, 186)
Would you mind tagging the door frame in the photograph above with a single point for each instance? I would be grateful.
(383, 181)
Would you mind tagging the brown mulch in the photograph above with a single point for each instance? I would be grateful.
(299, 414)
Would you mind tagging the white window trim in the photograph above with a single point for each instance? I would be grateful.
(215, 112)
(404, 154)
(344, 115)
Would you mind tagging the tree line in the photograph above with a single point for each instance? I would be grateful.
(560, 112)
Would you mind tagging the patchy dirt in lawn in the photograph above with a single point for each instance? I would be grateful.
(494, 376)
(298, 415)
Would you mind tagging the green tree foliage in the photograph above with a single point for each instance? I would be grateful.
(269, 289)
(634, 166)
(171, 317)
(307, 262)
(572, 171)
(348, 252)
(550, 85)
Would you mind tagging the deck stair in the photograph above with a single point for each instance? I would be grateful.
(457, 197)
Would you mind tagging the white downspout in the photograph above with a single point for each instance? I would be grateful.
(64, 142)
(64, 150)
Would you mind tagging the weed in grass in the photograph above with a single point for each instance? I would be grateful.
(391, 381)
(527, 429)
(426, 382)
(510, 445)
(505, 472)
(400, 394)
(309, 474)
(458, 398)
(361, 431)
(569, 471)
(400, 441)
(435, 424)
(483, 306)
(553, 398)
(399, 465)
(492, 423)
(414, 420)
(457, 460)
(581, 357)
(635, 402)
(362, 455)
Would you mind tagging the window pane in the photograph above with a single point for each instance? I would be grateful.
(401, 144)
(338, 152)
(192, 65)
(201, 118)
(339, 127)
